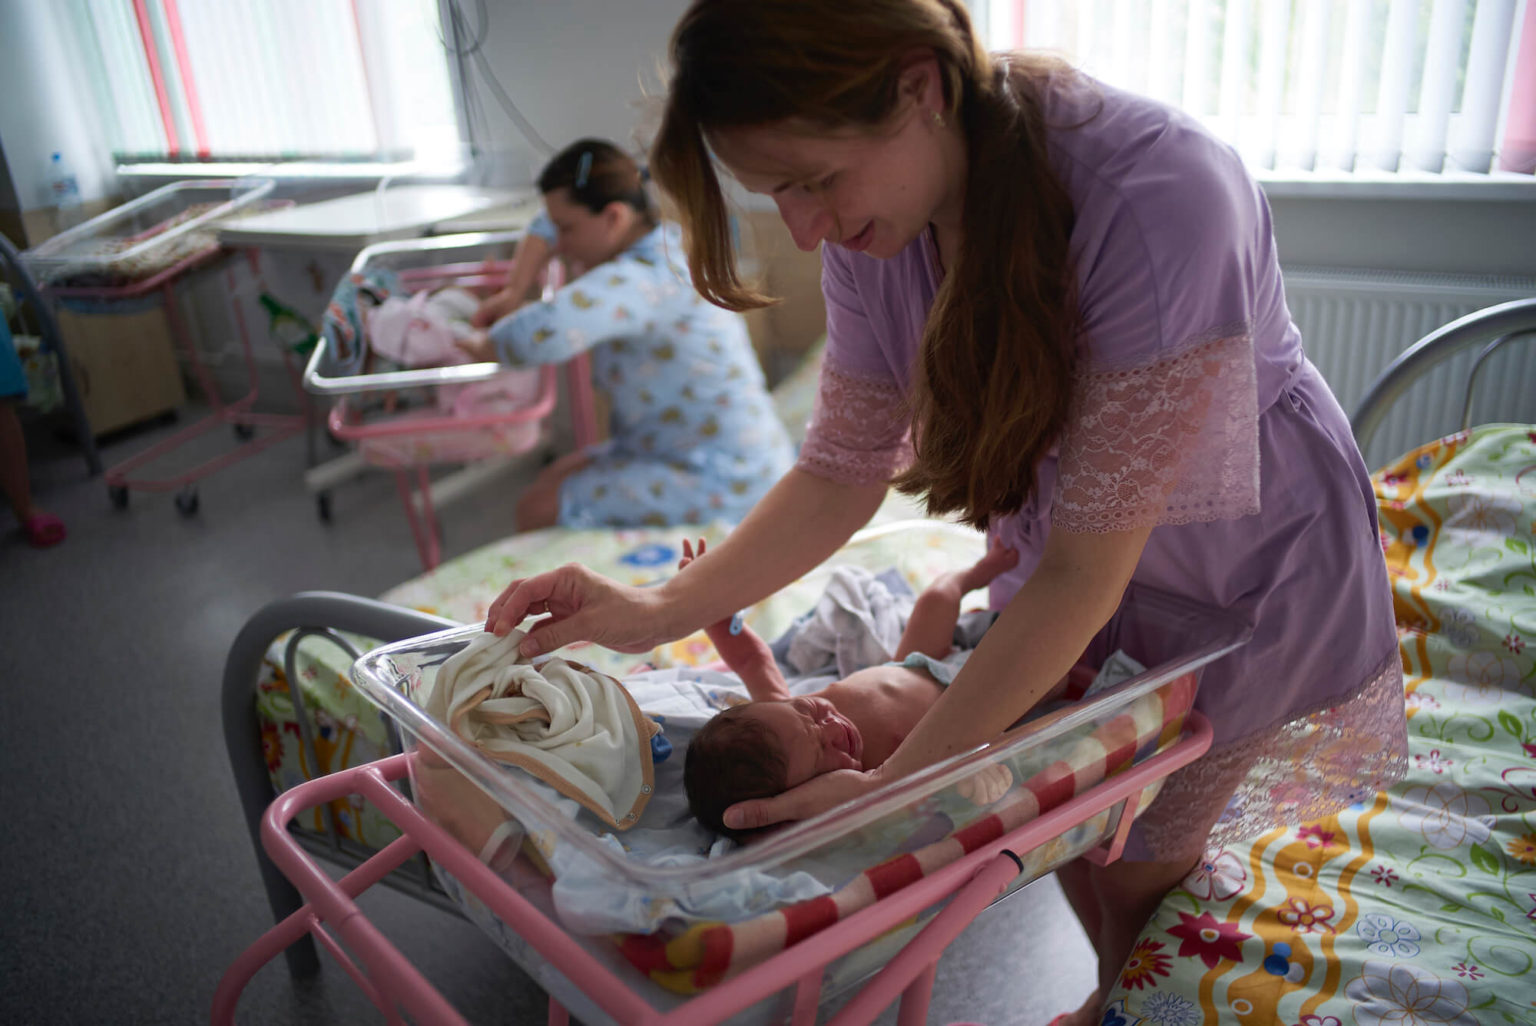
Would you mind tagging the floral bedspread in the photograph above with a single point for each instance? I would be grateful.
(1419, 905)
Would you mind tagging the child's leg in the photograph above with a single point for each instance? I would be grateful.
(14, 478)
(931, 628)
(539, 505)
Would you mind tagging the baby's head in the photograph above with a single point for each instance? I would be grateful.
(761, 749)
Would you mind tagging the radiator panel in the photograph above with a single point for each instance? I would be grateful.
(1355, 322)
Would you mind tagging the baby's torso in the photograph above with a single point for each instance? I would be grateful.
(885, 702)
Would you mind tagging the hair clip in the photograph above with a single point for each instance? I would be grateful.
(645, 173)
(583, 168)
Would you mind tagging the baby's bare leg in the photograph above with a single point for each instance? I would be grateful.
(931, 628)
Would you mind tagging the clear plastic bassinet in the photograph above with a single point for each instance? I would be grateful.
(144, 237)
(909, 830)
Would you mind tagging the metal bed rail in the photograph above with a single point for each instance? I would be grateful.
(322, 614)
(1492, 328)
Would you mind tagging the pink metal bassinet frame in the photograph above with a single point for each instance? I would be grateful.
(970, 884)
(239, 413)
(411, 477)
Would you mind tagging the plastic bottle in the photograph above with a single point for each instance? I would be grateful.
(64, 190)
(288, 327)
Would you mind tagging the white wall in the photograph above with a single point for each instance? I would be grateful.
(574, 68)
(43, 107)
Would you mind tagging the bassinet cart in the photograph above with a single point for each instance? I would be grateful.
(143, 248)
(1080, 775)
(461, 414)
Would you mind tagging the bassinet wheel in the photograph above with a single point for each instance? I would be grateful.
(323, 506)
(119, 496)
(245, 432)
(186, 501)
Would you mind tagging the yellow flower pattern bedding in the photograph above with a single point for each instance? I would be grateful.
(1418, 906)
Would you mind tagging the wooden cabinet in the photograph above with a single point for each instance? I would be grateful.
(125, 365)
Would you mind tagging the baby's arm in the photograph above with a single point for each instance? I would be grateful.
(745, 652)
(931, 628)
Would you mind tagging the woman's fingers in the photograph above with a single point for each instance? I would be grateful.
(811, 798)
(529, 596)
(493, 613)
(986, 785)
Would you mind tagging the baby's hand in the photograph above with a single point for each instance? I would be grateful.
(986, 785)
(689, 555)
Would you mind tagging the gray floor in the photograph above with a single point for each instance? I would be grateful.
(132, 880)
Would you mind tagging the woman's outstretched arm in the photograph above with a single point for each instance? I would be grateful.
(800, 522)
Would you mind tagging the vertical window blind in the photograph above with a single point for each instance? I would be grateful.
(1324, 85)
(266, 79)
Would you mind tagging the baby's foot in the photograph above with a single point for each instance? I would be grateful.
(998, 560)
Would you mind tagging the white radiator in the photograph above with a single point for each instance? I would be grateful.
(1355, 322)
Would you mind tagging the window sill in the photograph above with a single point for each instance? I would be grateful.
(297, 171)
(1451, 185)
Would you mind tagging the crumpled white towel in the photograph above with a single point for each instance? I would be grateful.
(857, 623)
(575, 729)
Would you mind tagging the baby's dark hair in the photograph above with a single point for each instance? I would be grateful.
(731, 759)
(598, 173)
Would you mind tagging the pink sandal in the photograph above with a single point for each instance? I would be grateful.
(44, 530)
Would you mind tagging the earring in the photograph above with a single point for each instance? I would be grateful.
(938, 118)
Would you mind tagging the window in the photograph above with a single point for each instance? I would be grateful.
(1324, 85)
(275, 80)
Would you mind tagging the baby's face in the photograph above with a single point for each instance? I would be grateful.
(812, 735)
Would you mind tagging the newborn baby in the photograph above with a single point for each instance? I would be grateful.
(779, 741)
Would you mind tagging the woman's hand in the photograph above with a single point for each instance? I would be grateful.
(478, 346)
(583, 606)
(986, 785)
(495, 308)
(811, 798)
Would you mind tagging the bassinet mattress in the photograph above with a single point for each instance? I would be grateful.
(1419, 905)
(349, 731)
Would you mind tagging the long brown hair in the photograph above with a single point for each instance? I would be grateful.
(993, 384)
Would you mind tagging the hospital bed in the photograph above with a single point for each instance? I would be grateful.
(1296, 926)
(1419, 903)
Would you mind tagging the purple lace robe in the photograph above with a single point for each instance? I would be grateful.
(1196, 411)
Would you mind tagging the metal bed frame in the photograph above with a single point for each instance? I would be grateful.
(1492, 328)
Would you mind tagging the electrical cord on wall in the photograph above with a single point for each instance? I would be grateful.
(475, 50)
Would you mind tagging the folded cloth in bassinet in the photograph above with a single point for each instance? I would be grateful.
(857, 622)
(577, 730)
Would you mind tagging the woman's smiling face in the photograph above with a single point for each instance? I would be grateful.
(812, 736)
(869, 190)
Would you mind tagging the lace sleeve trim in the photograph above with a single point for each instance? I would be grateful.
(859, 429)
(1175, 441)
